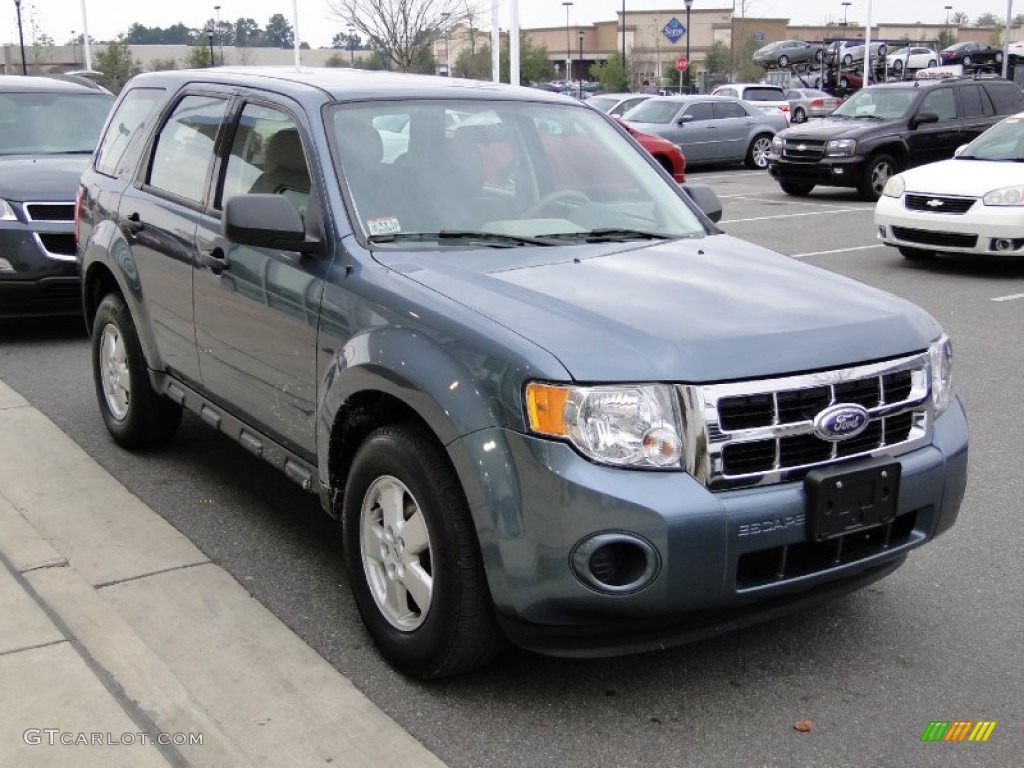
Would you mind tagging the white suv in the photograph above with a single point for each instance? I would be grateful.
(768, 98)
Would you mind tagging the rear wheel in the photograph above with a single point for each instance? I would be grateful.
(877, 171)
(799, 116)
(758, 151)
(796, 190)
(898, 65)
(136, 416)
(847, 60)
(783, 61)
(412, 556)
(931, 62)
(916, 254)
(967, 61)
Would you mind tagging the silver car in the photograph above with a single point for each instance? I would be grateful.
(810, 102)
(710, 129)
(848, 51)
(782, 53)
(616, 104)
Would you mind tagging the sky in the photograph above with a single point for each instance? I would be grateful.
(108, 18)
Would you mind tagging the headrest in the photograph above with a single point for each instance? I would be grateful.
(284, 152)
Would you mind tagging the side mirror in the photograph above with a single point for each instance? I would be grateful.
(265, 221)
(959, 150)
(706, 199)
(921, 118)
(684, 119)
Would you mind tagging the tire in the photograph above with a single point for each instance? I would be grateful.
(999, 58)
(915, 254)
(136, 416)
(783, 61)
(897, 65)
(796, 190)
(877, 171)
(882, 50)
(665, 163)
(967, 61)
(451, 627)
(844, 83)
(799, 116)
(847, 60)
(819, 55)
(757, 152)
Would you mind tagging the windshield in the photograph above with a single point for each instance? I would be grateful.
(882, 103)
(1003, 141)
(654, 111)
(604, 103)
(510, 173)
(51, 123)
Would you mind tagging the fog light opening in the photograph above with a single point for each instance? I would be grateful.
(881, 232)
(1004, 245)
(615, 563)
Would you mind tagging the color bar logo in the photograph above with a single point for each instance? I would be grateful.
(958, 730)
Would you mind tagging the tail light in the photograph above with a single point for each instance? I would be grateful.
(78, 212)
(818, 103)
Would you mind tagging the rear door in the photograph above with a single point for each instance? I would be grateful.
(977, 110)
(257, 310)
(158, 215)
(732, 125)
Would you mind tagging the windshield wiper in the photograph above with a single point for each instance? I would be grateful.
(491, 239)
(610, 235)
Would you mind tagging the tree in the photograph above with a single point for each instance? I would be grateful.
(745, 68)
(247, 33)
(611, 74)
(534, 64)
(475, 65)
(716, 61)
(279, 33)
(403, 31)
(960, 18)
(162, 65)
(987, 20)
(944, 39)
(346, 42)
(199, 57)
(117, 65)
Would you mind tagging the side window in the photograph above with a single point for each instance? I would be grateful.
(727, 109)
(941, 102)
(123, 131)
(1007, 98)
(974, 102)
(184, 147)
(267, 157)
(702, 110)
(764, 94)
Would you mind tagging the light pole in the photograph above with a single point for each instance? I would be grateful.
(688, 4)
(581, 65)
(213, 59)
(74, 49)
(220, 37)
(351, 47)
(846, 7)
(447, 65)
(623, 62)
(21, 38)
(568, 46)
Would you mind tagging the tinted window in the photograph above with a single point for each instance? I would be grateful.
(764, 94)
(1006, 97)
(48, 122)
(125, 128)
(184, 147)
(654, 111)
(728, 109)
(974, 102)
(941, 102)
(267, 157)
(700, 111)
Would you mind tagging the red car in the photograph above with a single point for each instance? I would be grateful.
(664, 151)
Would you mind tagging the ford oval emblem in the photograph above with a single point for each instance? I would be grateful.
(841, 422)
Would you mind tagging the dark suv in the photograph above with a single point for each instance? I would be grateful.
(48, 129)
(546, 397)
(884, 129)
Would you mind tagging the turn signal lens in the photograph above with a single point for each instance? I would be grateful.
(545, 405)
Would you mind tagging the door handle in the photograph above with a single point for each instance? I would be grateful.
(133, 223)
(215, 260)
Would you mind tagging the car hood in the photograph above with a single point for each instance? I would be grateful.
(970, 178)
(42, 177)
(835, 128)
(698, 310)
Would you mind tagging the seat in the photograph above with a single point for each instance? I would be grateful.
(284, 168)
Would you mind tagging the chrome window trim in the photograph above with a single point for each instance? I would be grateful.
(706, 440)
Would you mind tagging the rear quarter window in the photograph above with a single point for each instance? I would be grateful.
(764, 94)
(122, 143)
(1007, 97)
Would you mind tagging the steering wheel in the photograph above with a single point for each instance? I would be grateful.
(565, 197)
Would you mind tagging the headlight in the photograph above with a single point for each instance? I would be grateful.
(1005, 196)
(841, 148)
(895, 186)
(940, 354)
(629, 425)
(6, 212)
(777, 144)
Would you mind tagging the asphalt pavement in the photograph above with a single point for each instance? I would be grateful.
(940, 639)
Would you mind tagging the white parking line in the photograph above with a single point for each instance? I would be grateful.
(1011, 297)
(794, 215)
(738, 175)
(776, 201)
(840, 250)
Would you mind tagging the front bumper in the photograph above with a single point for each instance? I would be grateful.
(39, 273)
(827, 171)
(535, 500)
(951, 233)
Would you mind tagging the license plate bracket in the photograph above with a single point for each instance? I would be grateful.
(848, 498)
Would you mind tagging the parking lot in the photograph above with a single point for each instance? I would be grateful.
(938, 640)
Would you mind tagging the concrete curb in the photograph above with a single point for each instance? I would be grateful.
(116, 624)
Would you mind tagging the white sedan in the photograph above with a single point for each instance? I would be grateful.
(972, 204)
(912, 58)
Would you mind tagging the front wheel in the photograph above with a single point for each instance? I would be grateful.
(897, 65)
(136, 415)
(783, 61)
(799, 116)
(796, 190)
(931, 62)
(412, 556)
(758, 151)
(877, 172)
(847, 60)
(967, 61)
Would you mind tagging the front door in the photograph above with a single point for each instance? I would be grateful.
(936, 141)
(258, 309)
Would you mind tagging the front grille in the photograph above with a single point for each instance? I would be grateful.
(50, 211)
(760, 432)
(938, 203)
(802, 149)
(61, 245)
(939, 239)
(770, 566)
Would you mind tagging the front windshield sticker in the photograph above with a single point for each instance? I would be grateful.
(383, 225)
